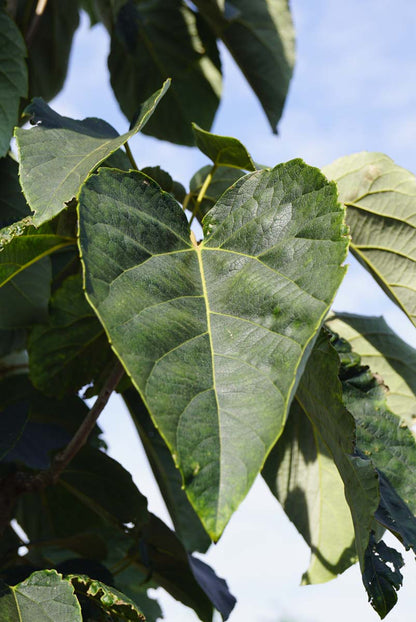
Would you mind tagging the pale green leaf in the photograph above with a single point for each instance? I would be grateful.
(381, 212)
(13, 77)
(260, 37)
(58, 154)
(214, 335)
(110, 600)
(223, 150)
(387, 355)
(152, 41)
(44, 597)
(301, 473)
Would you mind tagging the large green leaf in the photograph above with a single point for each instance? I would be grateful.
(24, 299)
(50, 47)
(13, 77)
(381, 213)
(71, 350)
(187, 525)
(387, 355)
(155, 40)
(108, 599)
(12, 202)
(58, 154)
(301, 473)
(44, 597)
(214, 335)
(259, 35)
(223, 150)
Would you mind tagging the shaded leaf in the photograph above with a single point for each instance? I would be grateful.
(387, 355)
(223, 150)
(24, 299)
(78, 147)
(44, 597)
(13, 77)
(49, 49)
(110, 600)
(395, 515)
(391, 446)
(382, 577)
(216, 589)
(10, 341)
(320, 397)
(13, 206)
(155, 40)
(301, 473)
(258, 34)
(246, 299)
(222, 178)
(187, 525)
(71, 350)
(381, 213)
(165, 181)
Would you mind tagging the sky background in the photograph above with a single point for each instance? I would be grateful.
(353, 90)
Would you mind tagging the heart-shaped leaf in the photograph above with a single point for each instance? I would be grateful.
(51, 181)
(381, 213)
(214, 335)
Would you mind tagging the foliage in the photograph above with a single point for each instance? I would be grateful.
(223, 349)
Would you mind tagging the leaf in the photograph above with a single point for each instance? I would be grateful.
(391, 446)
(382, 577)
(153, 41)
(187, 525)
(387, 355)
(301, 473)
(165, 181)
(77, 147)
(24, 299)
(223, 177)
(12, 202)
(395, 515)
(49, 49)
(44, 597)
(20, 250)
(71, 350)
(319, 395)
(110, 600)
(214, 336)
(258, 34)
(10, 341)
(381, 213)
(13, 78)
(162, 556)
(223, 150)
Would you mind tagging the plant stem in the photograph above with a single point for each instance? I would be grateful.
(202, 192)
(80, 438)
(130, 156)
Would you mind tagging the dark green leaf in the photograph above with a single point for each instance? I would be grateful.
(187, 525)
(71, 350)
(13, 206)
(156, 40)
(10, 341)
(320, 397)
(387, 355)
(50, 46)
(44, 597)
(24, 299)
(223, 150)
(13, 77)
(110, 600)
(251, 297)
(13, 421)
(222, 179)
(301, 473)
(395, 515)
(166, 182)
(261, 39)
(381, 213)
(382, 577)
(78, 147)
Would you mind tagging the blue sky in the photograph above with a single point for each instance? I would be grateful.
(353, 89)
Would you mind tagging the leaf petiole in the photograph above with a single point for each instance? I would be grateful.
(202, 192)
